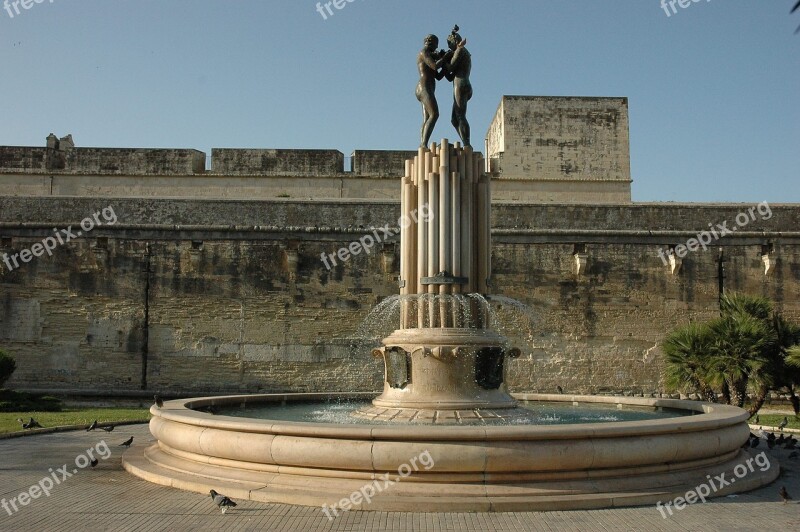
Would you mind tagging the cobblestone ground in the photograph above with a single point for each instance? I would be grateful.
(108, 498)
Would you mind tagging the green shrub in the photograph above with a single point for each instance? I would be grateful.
(11, 401)
(7, 367)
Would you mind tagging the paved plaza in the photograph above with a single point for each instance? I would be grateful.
(108, 498)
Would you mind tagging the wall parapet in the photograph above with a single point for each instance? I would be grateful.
(655, 219)
(301, 163)
(102, 161)
(382, 163)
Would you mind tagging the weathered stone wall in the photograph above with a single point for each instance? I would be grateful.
(540, 149)
(277, 162)
(563, 147)
(23, 158)
(102, 161)
(381, 163)
(228, 311)
(545, 137)
(341, 186)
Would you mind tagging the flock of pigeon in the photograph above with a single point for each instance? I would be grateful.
(33, 424)
(788, 443)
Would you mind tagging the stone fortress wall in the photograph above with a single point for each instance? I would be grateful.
(212, 280)
(541, 149)
(237, 297)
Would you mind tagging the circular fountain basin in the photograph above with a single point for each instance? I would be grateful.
(345, 412)
(429, 468)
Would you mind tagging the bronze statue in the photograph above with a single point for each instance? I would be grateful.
(434, 65)
(458, 68)
(429, 62)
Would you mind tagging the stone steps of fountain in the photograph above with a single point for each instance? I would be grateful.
(399, 494)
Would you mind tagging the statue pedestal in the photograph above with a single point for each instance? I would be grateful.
(444, 364)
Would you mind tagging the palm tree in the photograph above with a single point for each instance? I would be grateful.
(779, 374)
(737, 303)
(740, 354)
(749, 345)
(773, 373)
(793, 356)
(687, 351)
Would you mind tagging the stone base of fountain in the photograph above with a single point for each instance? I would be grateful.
(443, 376)
(474, 468)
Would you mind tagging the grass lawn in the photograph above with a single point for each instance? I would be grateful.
(773, 420)
(72, 416)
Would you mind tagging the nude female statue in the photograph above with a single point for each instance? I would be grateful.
(457, 67)
(429, 63)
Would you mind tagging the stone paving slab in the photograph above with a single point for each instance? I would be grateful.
(109, 499)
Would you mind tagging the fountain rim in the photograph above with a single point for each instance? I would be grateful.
(709, 416)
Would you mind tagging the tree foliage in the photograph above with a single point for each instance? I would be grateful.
(750, 346)
(7, 367)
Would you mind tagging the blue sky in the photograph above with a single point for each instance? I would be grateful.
(713, 88)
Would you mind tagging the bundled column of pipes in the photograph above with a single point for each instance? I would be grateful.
(448, 183)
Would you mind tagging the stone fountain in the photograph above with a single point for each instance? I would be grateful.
(443, 395)
(444, 364)
(444, 398)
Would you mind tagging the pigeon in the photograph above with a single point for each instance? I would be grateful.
(94, 462)
(780, 440)
(127, 443)
(784, 495)
(32, 424)
(158, 401)
(108, 428)
(92, 426)
(771, 444)
(783, 423)
(560, 389)
(222, 501)
(757, 421)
